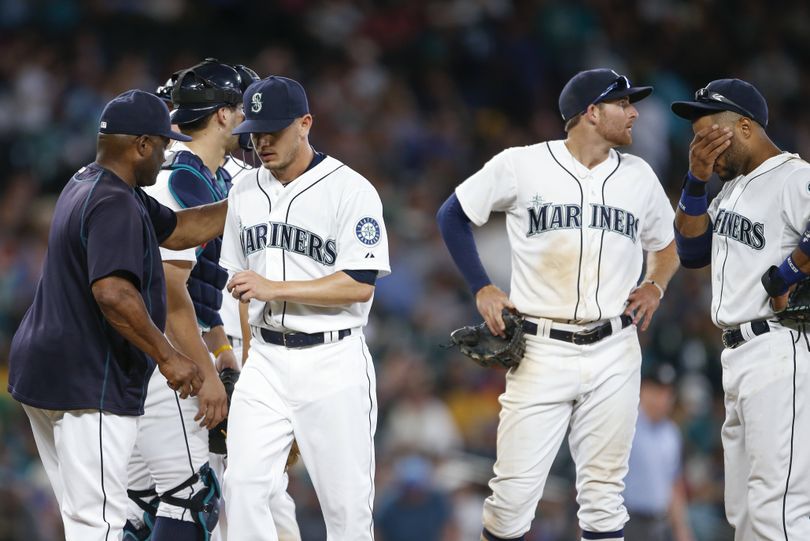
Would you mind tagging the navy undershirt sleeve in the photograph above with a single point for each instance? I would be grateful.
(454, 225)
(363, 276)
(695, 252)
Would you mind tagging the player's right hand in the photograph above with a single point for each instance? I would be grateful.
(491, 301)
(213, 403)
(706, 146)
(182, 374)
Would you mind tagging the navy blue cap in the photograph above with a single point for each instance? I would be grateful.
(595, 86)
(725, 95)
(136, 112)
(272, 104)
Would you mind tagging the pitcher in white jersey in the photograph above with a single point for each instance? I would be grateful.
(305, 242)
(755, 236)
(579, 216)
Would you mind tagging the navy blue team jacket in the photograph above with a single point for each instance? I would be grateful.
(65, 356)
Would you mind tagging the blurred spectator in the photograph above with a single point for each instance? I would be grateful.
(654, 490)
(413, 509)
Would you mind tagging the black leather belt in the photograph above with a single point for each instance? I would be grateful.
(734, 337)
(580, 338)
(299, 339)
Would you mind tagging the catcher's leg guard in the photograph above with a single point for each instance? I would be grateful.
(148, 501)
(204, 505)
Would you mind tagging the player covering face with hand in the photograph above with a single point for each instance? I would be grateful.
(755, 235)
(579, 216)
(305, 243)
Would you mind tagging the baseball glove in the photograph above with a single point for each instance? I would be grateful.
(480, 345)
(217, 435)
(798, 307)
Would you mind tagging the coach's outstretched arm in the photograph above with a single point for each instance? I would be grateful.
(123, 307)
(337, 289)
(197, 225)
(645, 299)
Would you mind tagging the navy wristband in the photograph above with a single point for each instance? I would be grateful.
(693, 205)
(790, 272)
(694, 201)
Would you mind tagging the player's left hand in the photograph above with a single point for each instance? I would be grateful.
(213, 403)
(642, 304)
(247, 285)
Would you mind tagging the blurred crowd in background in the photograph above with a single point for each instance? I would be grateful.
(416, 95)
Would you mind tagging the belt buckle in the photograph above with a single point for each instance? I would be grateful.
(284, 339)
(583, 338)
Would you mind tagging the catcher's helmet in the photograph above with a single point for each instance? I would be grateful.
(164, 91)
(202, 89)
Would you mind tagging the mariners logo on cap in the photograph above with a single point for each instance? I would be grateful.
(256, 102)
(368, 231)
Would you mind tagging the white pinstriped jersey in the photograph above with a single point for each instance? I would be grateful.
(327, 220)
(758, 219)
(577, 236)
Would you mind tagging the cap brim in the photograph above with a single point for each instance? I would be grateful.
(263, 126)
(171, 134)
(635, 93)
(184, 115)
(691, 110)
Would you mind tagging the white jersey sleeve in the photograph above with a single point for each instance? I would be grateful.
(160, 191)
(492, 188)
(658, 231)
(796, 200)
(362, 242)
(232, 257)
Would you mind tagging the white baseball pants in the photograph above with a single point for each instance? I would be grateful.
(594, 389)
(85, 454)
(766, 441)
(325, 397)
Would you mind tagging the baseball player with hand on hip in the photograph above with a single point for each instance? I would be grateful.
(579, 216)
(306, 240)
(756, 236)
(86, 349)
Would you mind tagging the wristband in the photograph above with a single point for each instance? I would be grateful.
(790, 272)
(660, 289)
(694, 201)
(222, 348)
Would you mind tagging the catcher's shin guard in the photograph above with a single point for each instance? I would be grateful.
(204, 505)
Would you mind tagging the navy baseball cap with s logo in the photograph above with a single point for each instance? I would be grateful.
(271, 105)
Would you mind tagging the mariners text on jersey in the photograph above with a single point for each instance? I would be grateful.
(738, 227)
(289, 238)
(548, 217)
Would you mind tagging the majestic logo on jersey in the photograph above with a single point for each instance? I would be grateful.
(549, 217)
(738, 227)
(256, 102)
(290, 239)
(368, 231)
